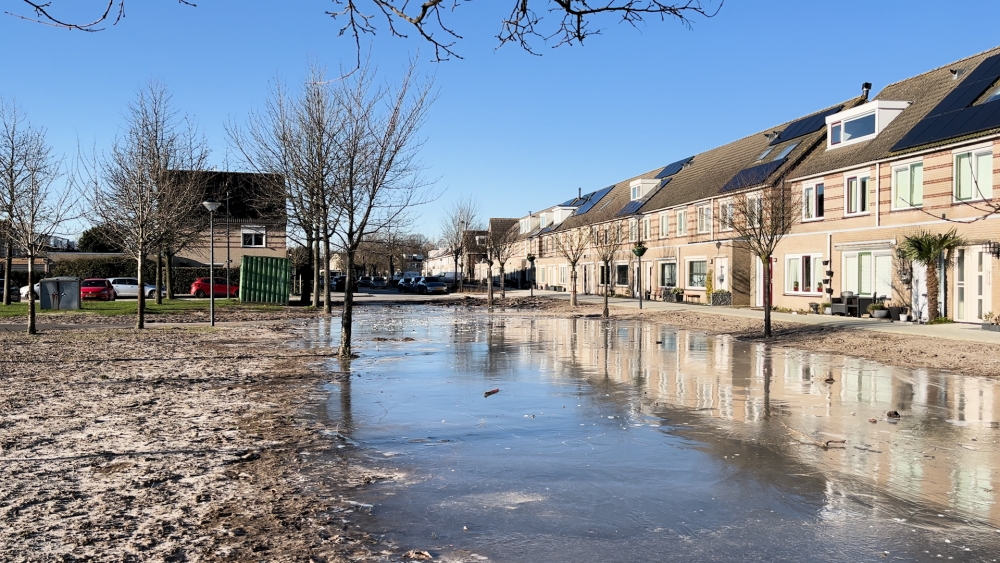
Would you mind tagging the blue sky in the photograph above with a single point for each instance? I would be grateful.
(518, 132)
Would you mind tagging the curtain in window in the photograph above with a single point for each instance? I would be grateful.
(792, 274)
(865, 273)
(984, 175)
(850, 279)
(697, 271)
(668, 275)
(963, 189)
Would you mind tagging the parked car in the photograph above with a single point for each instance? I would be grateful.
(338, 284)
(200, 288)
(14, 295)
(379, 282)
(97, 288)
(431, 284)
(129, 287)
(24, 291)
(365, 281)
(405, 285)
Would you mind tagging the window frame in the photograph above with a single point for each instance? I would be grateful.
(664, 225)
(727, 210)
(254, 231)
(862, 178)
(646, 229)
(816, 272)
(633, 230)
(814, 210)
(835, 131)
(660, 272)
(704, 227)
(974, 153)
(682, 222)
(618, 270)
(909, 167)
(688, 272)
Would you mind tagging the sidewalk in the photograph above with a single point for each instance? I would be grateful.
(964, 332)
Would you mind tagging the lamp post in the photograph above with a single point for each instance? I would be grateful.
(639, 249)
(531, 286)
(211, 205)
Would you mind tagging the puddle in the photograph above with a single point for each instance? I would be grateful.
(623, 441)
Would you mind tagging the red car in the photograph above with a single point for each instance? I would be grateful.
(97, 288)
(200, 288)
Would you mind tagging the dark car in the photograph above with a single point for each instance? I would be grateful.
(405, 285)
(14, 294)
(431, 284)
(97, 288)
(379, 282)
(365, 281)
(337, 284)
(201, 288)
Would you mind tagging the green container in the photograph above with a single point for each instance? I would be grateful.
(265, 280)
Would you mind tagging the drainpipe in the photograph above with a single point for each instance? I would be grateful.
(878, 192)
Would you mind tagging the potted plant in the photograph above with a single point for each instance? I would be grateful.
(988, 321)
(894, 310)
(795, 286)
(819, 287)
(877, 310)
(678, 294)
(814, 307)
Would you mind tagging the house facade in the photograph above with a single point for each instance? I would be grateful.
(862, 175)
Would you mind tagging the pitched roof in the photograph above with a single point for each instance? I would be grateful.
(926, 91)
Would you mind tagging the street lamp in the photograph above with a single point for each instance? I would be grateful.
(639, 249)
(211, 205)
(531, 286)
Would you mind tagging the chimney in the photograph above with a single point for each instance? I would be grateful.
(579, 193)
(865, 89)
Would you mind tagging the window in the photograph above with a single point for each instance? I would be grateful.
(867, 273)
(253, 236)
(668, 274)
(812, 202)
(682, 222)
(633, 230)
(704, 219)
(697, 273)
(604, 271)
(908, 186)
(563, 277)
(764, 154)
(974, 175)
(994, 95)
(726, 211)
(755, 205)
(804, 274)
(541, 275)
(636, 192)
(857, 194)
(785, 151)
(852, 129)
(645, 228)
(664, 225)
(621, 274)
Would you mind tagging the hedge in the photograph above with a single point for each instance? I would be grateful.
(126, 267)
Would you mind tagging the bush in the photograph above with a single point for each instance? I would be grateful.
(103, 268)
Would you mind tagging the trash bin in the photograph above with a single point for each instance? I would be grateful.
(60, 293)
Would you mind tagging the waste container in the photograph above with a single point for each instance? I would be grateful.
(62, 293)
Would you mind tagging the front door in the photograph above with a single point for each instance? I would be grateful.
(722, 274)
(973, 277)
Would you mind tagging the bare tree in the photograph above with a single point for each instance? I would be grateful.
(463, 215)
(39, 208)
(608, 240)
(104, 12)
(378, 170)
(19, 145)
(572, 245)
(760, 220)
(138, 191)
(500, 240)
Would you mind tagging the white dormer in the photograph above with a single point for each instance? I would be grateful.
(560, 214)
(641, 188)
(861, 123)
(544, 220)
(529, 224)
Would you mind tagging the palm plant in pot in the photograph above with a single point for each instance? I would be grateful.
(926, 248)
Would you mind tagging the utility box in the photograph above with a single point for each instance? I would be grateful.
(265, 280)
(61, 293)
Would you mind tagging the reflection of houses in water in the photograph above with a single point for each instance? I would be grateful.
(749, 383)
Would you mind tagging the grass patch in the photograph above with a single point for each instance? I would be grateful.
(124, 307)
(941, 321)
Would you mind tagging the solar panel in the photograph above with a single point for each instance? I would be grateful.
(673, 168)
(631, 207)
(805, 126)
(752, 176)
(953, 116)
(592, 201)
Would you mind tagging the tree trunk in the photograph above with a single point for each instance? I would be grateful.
(767, 296)
(158, 296)
(347, 316)
(316, 268)
(8, 262)
(392, 269)
(456, 272)
(933, 286)
(489, 286)
(326, 279)
(503, 283)
(140, 299)
(31, 295)
(607, 288)
(572, 290)
(168, 273)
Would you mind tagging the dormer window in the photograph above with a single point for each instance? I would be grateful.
(643, 187)
(994, 95)
(861, 123)
(636, 192)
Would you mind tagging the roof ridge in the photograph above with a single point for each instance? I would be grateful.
(935, 69)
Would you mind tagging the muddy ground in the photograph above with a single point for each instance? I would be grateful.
(183, 443)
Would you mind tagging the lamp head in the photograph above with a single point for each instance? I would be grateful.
(211, 205)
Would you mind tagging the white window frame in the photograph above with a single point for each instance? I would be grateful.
(983, 192)
(636, 192)
(816, 269)
(646, 234)
(704, 225)
(810, 201)
(863, 177)
(563, 275)
(908, 167)
(844, 142)
(633, 230)
(664, 225)
(253, 230)
(687, 271)
(617, 266)
(659, 272)
(682, 223)
(726, 212)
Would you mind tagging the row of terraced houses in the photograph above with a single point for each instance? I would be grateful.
(919, 156)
